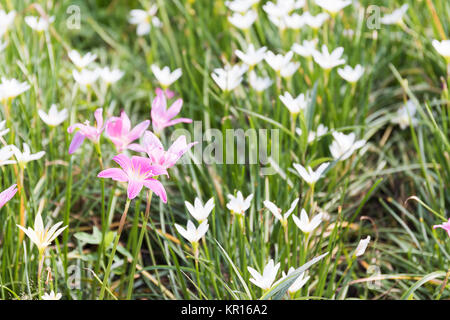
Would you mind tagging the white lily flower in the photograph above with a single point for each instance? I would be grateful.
(306, 49)
(280, 22)
(5, 155)
(351, 75)
(238, 205)
(295, 105)
(333, 6)
(405, 115)
(442, 47)
(243, 21)
(289, 69)
(164, 76)
(40, 236)
(396, 16)
(11, 88)
(278, 61)
(191, 233)
(362, 246)
(309, 175)
(199, 211)
(305, 224)
(314, 135)
(110, 76)
(317, 21)
(51, 296)
(54, 117)
(259, 84)
(26, 156)
(282, 7)
(329, 60)
(267, 278)
(38, 23)
(144, 20)
(81, 61)
(295, 21)
(283, 218)
(6, 20)
(252, 57)
(240, 6)
(229, 77)
(343, 146)
(86, 77)
(298, 283)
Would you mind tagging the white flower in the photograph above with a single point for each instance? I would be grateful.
(282, 7)
(343, 146)
(6, 20)
(350, 74)
(288, 70)
(144, 20)
(11, 88)
(54, 117)
(199, 211)
(315, 22)
(258, 83)
(278, 61)
(329, 60)
(229, 77)
(304, 224)
(52, 296)
(3, 131)
(405, 115)
(40, 236)
(306, 49)
(243, 21)
(240, 5)
(277, 211)
(308, 174)
(5, 155)
(110, 76)
(442, 47)
(362, 246)
(24, 157)
(321, 131)
(238, 205)
(295, 105)
(252, 57)
(164, 76)
(295, 21)
(81, 61)
(266, 279)
(396, 16)
(298, 283)
(191, 233)
(333, 6)
(38, 23)
(85, 77)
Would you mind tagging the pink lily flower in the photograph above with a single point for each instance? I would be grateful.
(169, 93)
(138, 172)
(6, 195)
(86, 131)
(119, 131)
(155, 150)
(445, 226)
(162, 117)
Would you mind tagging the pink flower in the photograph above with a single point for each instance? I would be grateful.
(119, 131)
(155, 150)
(169, 93)
(6, 195)
(86, 131)
(162, 117)
(138, 172)
(445, 226)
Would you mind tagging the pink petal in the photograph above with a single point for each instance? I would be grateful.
(136, 147)
(98, 114)
(174, 109)
(134, 187)
(137, 131)
(124, 162)
(6, 195)
(77, 140)
(126, 124)
(114, 173)
(179, 120)
(157, 187)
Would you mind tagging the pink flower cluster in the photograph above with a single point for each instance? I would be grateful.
(138, 171)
